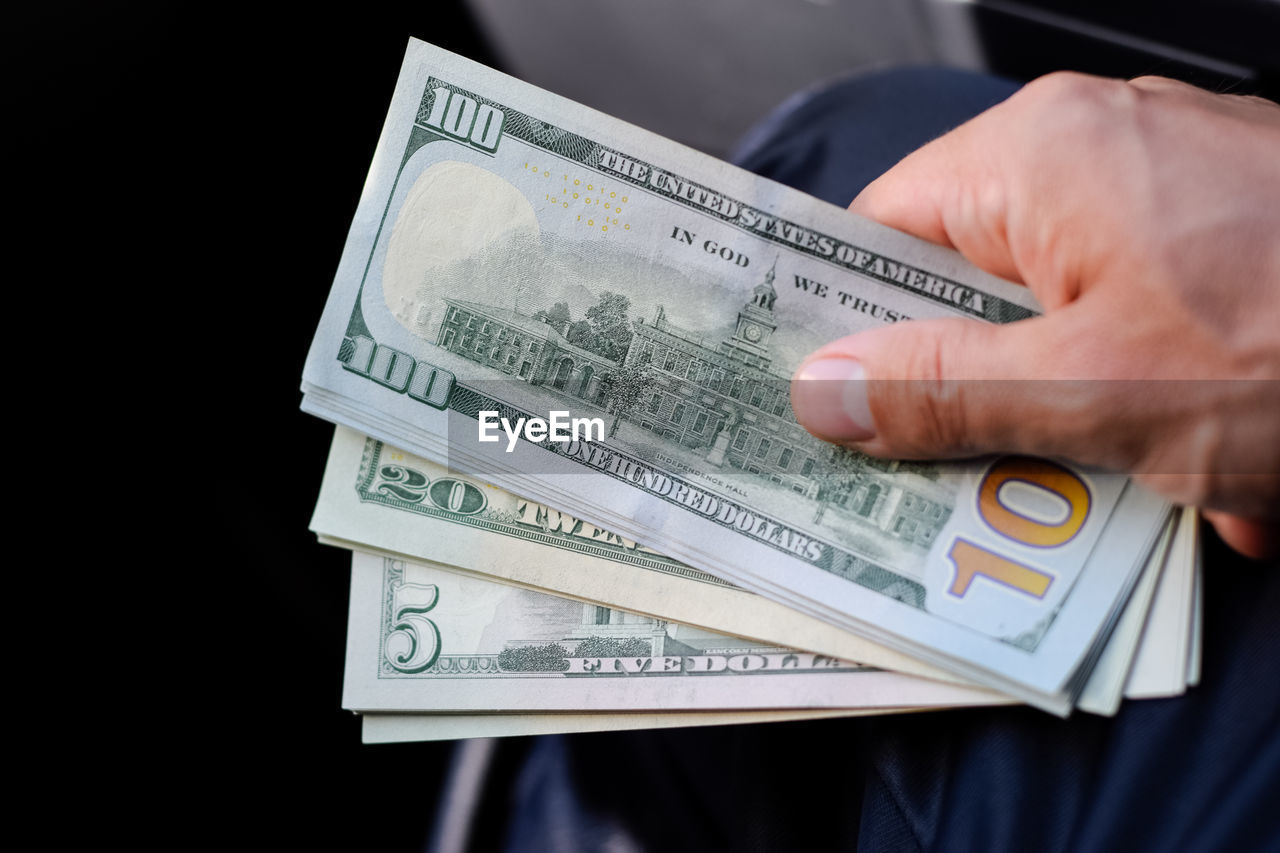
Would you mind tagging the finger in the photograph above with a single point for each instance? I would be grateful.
(1255, 539)
(953, 387)
(1016, 187)
(953, 192)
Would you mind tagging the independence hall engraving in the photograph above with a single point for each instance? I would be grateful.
(721, 396)
(718, 399)
(524, 347)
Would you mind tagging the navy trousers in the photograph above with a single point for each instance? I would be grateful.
(1198, 772)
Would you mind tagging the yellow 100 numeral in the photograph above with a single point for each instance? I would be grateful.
(972, 559)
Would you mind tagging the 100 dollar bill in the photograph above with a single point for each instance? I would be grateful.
(518, 254)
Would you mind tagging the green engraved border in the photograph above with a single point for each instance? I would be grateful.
(390, 574)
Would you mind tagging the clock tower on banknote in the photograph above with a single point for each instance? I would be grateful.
(756, 323)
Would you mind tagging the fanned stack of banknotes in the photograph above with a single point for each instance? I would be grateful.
(557, 350)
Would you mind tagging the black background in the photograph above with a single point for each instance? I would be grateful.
(302, 100)
(184, 177)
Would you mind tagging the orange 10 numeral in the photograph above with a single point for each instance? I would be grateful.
(972, 560)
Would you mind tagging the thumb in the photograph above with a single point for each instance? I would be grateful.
(946, 388)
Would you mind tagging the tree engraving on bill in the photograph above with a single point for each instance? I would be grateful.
(528, 634)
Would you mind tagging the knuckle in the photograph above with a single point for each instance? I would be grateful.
(1156, 82)
(939, 414)
(985, 207)
(944, 416)
(1076, 104)
(1065, 87)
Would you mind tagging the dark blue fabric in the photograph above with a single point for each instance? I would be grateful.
(834, 140)
(1198, 772)
(794, 786)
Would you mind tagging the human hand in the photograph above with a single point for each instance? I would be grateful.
(1145, 218)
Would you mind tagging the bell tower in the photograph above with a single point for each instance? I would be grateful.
(756, 324)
